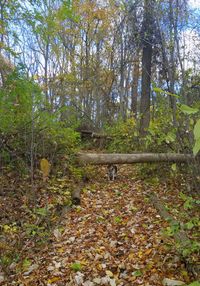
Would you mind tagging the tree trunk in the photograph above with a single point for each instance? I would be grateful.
(134, 95)
(46, 61)
(87, 95)
(172, 67)
(146, 66)
(122, 76)
(97, 87)
(104, 159)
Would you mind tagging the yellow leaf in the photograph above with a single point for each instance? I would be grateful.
(149, 265)
(53, 279)
(84, 262)
(131, 279)
(148, 251)
(45, 167)
(140, 254)
(184, 273)
(60, 250)
(123, 235)
(109, 273)
(99, 250)
(131, 256)
(99, 267)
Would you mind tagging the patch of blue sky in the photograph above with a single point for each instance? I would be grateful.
(194, 15)
(194, 4)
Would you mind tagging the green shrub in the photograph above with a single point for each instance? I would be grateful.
(29, 129)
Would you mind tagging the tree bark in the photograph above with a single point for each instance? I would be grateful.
(172, 67)
(146, 66)
(122, 77)
(104, 159)
(134, 95)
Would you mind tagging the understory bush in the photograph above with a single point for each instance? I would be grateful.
(29, 129)
(123, 136)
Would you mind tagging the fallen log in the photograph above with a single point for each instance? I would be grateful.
(104, 159)
(92, 134)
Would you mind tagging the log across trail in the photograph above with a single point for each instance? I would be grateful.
(103, 159)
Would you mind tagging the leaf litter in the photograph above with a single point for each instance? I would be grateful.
(113, 238)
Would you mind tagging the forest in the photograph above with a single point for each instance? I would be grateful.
(99, 142)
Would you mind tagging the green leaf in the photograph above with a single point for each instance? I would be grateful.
(188, 205)
(76, 266)
(196, 147)
(183, 196)
(118, 219)
(195, 283)
(26, 264)
(133, 209)
(185, 252)
(172, 94)
(173, 167)
(189, 225)
(137, 273)
(158, 89)
(197, 130)
(187, 109)
(41, 211)
(170, 137)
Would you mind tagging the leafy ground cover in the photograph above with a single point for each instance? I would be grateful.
(115, 237)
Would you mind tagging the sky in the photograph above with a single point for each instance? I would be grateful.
(191, 39)
(194, 3)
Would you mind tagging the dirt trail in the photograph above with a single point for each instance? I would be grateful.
(113, 238)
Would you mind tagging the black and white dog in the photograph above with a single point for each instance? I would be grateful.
(112, 172)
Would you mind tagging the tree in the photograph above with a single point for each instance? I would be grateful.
(147, 48)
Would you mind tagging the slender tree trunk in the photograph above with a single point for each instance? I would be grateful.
(169, 61)
(146, 67)
(172, 63)
(134, 94)
(46, 59)
(122, 89)
(86, 76)
(96, 89)
(2, 3)
(127, 89)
